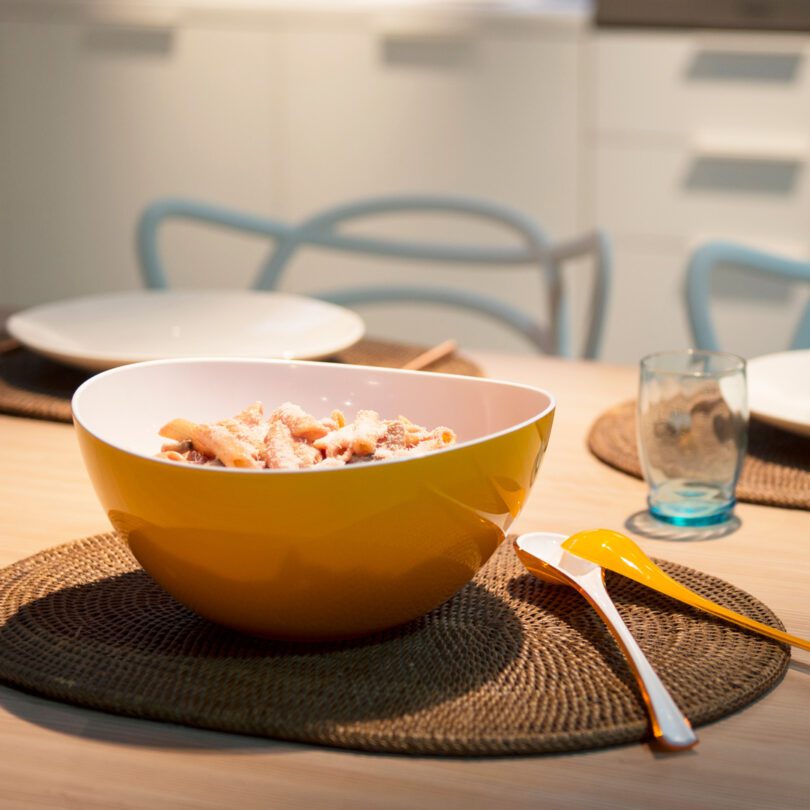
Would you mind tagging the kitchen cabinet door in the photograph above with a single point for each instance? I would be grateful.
(666, 191)
(753, 314)
(487, 111)
(99, 120)
(749, 88)
(481, 112)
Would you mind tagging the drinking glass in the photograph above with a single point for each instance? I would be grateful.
(692, 434)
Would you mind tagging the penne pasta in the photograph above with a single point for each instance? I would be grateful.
(178, 429)
(219, 442)
(292, 439)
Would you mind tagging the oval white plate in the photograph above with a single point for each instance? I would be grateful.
(779, 390)
(103, 331)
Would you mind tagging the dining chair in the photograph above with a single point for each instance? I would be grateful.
(533, 249)
(703, 262)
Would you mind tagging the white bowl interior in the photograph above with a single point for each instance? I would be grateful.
(127, 406)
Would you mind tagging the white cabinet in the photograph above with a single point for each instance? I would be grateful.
(99, 120)
(482, 110)
(486, 112)
(647, 314)
(695, 136)
(675, 84)
(279, 111)
(664, 139)
(643, 190)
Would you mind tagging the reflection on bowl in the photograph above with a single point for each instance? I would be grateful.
(311, 554)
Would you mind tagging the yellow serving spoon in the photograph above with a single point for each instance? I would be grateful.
(619, 553)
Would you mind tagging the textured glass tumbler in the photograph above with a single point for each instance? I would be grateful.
(692, 433)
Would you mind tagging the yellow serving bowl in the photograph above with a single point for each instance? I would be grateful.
(311, 554)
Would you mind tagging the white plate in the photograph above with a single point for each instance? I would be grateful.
(779, 390)
(103, 331)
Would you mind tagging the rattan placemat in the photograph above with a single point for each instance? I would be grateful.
(508, 666)
(776, 470)
(39, 388)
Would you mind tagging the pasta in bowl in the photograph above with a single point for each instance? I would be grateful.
(324, 551)
(289, 438)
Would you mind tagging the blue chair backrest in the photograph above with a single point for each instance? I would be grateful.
(704, 262)
(321, 231)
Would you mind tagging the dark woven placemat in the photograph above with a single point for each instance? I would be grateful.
(509, 665)
(39, 388)
(776, 470)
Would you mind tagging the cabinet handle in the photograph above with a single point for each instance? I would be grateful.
(776, 44)
(423, 26)
(151, 16)
(774, 149)
(766, 61)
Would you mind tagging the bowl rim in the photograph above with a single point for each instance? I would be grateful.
(346, 468)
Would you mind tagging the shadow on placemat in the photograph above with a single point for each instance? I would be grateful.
(510, 665)
(128, 619)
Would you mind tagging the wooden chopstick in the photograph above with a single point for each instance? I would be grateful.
(430, 356)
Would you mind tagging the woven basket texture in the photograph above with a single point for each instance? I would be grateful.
(510, 665)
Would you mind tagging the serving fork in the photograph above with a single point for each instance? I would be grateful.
(543, 555)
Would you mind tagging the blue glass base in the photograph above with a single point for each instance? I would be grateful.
(720, 516)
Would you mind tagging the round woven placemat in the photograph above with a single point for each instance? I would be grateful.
(509, 665)
(776, 470)
(39, 388)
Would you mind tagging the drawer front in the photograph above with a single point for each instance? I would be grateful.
(646, 312)
(98, 122)
(686, 194)
(486, 115)
(692, 83)
(752, 314)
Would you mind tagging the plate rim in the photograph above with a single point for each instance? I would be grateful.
(766, 414)
(99, 360)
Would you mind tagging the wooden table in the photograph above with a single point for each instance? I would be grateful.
(55, 755)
